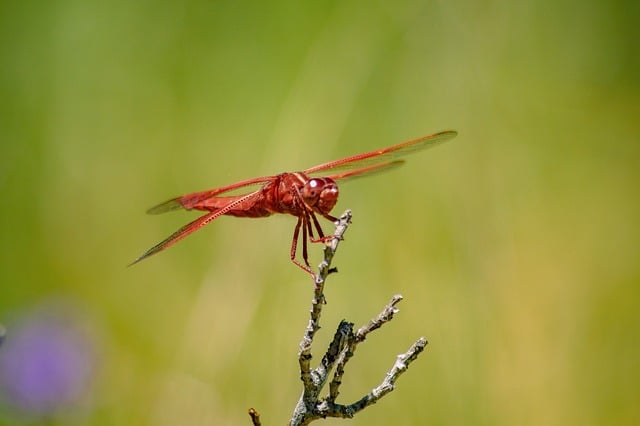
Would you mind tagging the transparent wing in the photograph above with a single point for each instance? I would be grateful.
(379, 160)
(193, 226)
(366, 171)
(189, 200)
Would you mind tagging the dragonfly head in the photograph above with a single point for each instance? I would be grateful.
(321, 194)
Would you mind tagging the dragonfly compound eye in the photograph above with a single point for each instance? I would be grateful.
(328, 196)
(311, 191)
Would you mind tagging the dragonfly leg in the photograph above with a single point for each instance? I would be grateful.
(322, 238)
(294, 246)
(294, 241)
(317, 225)
(331, 218)
(305, 253)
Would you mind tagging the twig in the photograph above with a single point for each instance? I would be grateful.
(313, 381)
(255, 417)
(310, 407)
(385, 316)
(387, 385)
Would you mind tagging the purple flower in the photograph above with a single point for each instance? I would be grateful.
(46, 363)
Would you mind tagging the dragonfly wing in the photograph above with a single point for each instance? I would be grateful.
(178, 235)
(193, 226)
(382, 156)
(367, 171)
(167, 206)
(189, 200)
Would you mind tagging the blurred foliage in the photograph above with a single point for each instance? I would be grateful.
(516, 245)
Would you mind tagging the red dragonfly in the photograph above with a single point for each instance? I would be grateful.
(299, 194)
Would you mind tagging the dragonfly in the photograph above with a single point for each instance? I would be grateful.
(306, 195)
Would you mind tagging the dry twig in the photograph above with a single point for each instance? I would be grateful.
(255, 417)
(311, 406)
(341, 349)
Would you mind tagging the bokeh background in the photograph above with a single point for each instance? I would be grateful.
(516, 245)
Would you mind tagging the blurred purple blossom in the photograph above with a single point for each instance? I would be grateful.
(46, 362)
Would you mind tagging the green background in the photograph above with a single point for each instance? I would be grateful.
(516, 245)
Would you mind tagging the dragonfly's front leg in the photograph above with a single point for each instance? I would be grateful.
(321, 238)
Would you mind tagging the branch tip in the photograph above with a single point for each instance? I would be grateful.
(255, 417)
